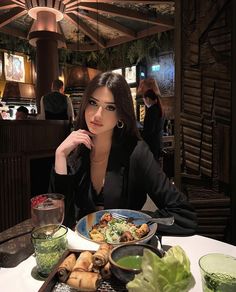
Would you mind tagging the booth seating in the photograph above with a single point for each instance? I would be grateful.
(213, 210)
(26, 157)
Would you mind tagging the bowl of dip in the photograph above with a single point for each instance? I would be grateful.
(126, 260)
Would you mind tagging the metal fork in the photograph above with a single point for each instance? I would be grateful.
(164, 221)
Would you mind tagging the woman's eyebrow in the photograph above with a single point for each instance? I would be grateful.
(108, 102)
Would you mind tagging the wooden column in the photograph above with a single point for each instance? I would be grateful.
(233, 129)
(47, 63)
(178, 81)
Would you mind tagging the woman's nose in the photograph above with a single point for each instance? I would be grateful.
(98, 113)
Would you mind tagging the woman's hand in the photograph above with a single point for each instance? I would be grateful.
(69, 144)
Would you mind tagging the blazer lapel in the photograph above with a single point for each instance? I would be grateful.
(113, 186)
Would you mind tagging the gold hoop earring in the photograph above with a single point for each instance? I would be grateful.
(120, 124)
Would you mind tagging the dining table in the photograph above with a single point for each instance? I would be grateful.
(20, 279)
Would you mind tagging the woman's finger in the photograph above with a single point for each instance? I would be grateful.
(85, 132)
(85, 135)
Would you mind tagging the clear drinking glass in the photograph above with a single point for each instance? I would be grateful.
(47, 209)
(218, 272)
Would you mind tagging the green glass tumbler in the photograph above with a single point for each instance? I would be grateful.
(218, 272)
(50, 242)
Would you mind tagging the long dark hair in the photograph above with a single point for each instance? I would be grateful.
(117, 84)
(153, 96)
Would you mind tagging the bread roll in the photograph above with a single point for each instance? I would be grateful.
(84, 262)
(66, 267)
(84, 281)
(100, 257)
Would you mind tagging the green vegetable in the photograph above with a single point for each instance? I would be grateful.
(167, 274)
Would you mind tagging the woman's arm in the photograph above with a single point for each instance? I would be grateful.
(68, 145)
(168, 199)
(60, 181)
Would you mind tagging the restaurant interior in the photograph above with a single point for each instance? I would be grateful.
(186, 46)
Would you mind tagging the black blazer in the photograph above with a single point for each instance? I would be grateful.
(153, 129)
(132, 173)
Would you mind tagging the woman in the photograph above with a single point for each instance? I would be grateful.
(153, 123)
(146, 84)
(105, 164)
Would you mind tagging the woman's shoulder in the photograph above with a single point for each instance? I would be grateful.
(141, 149)
(142, 159)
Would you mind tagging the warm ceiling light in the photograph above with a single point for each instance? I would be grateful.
(55, 7)
(34, 11)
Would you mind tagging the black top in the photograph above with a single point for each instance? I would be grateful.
(132, 173)
(97, 198)
(55, 105)
(152, 129)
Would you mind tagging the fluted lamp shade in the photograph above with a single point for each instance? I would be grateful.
(16, 90)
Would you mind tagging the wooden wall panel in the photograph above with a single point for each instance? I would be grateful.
(206, 86)
(206, 112)
(20, 142)
(14, 192)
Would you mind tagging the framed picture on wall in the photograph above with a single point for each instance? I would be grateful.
(14, 67)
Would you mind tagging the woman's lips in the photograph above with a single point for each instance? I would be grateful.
(96, 124)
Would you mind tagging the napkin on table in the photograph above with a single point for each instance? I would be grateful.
(75, 241)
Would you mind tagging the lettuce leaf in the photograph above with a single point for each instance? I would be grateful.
(168, 274)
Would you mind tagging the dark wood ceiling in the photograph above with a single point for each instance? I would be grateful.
(92, 25)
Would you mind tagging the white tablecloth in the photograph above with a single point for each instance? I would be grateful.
(19, 279)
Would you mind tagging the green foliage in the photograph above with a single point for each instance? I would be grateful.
(137, 52)
(14, 44)
(124, 55)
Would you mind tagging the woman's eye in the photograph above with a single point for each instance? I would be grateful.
(92, 102)
(111, 108)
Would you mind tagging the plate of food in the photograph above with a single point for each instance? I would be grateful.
(102, 226)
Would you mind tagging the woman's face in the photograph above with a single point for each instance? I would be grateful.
(147, 101)
(100, 113)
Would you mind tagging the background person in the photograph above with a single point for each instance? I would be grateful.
(22, 113)
(148, 83)
(56, 105)
(153, 123)
(105, 164)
